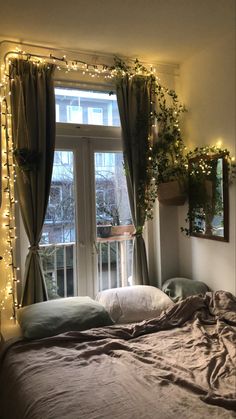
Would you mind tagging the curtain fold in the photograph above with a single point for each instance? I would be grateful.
(33, 119)
(134, 97)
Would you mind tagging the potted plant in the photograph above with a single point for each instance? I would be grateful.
(170, 164)
(104, 223)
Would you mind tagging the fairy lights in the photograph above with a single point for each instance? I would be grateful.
(204, 166)
(62, 63)
(8, 228)
(10, 279)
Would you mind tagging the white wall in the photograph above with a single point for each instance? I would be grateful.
(207, 86)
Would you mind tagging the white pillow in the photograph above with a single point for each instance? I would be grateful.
(134, 303)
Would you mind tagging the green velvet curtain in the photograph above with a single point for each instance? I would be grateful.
(33, 116)
(134, 96)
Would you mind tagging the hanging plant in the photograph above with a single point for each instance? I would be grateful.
(27, 160)
(165, 149)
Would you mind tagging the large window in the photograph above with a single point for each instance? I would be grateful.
(87, 243)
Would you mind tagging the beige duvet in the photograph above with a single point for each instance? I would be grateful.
(179, 365)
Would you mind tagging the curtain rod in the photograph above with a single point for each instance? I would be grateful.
(165, 68)
(74, 64)
(62, 50)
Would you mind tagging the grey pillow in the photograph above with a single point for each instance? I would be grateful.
(61, 315)
(178, 288)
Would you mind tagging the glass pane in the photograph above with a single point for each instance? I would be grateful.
(86, 107)
(114, 222)
(58, 237)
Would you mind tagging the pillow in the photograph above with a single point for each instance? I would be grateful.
(134, 303)
(61, 315)
(178, 288)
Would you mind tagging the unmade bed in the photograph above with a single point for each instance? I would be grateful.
(180, 364)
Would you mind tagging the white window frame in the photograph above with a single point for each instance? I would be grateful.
(84, 141)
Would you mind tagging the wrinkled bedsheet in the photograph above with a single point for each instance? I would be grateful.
(179, 365)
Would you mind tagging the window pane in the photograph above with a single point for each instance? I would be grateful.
(86, 107)
(114, 223)
(58, 238)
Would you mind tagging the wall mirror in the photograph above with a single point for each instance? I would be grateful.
(208, 197)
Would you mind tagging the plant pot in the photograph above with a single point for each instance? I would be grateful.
(104, 231)
(171, 193)
(122, 230)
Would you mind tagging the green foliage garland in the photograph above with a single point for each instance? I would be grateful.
(165, 149)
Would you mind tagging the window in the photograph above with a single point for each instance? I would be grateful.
(87, 240)
(74, 114)
(95, 116)
(86, 107)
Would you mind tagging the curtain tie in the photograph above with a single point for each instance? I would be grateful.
(138, 232)
(137, 235)
(33, 249)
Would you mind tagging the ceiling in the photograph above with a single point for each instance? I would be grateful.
(167, 31)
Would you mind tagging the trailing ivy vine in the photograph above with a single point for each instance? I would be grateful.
(165, 150)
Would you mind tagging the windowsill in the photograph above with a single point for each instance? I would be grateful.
(118, 238)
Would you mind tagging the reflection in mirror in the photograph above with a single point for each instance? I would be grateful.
(208, 197)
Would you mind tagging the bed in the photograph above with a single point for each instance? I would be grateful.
(182, 363)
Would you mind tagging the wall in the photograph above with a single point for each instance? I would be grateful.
(207, 86)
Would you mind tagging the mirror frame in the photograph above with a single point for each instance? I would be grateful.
(225, 196)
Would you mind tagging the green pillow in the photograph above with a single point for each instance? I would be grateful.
(61, 315)
(177, 288)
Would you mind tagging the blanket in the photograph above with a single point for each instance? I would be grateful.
(180, 364)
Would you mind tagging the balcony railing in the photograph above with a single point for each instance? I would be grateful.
(59, 267)
(114, 261)
(114, 267)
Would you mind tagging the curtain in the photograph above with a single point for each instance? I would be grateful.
(33, 120)
(134, 96)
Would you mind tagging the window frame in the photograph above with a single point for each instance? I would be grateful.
(84, 141)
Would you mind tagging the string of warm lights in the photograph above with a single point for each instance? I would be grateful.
(200, 153)
(84, 68)
(9, 236)
(62, 63)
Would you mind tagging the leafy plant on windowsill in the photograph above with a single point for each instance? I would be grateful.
(165, 150)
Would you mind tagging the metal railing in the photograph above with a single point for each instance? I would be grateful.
(114, 265)
(114, 261)
(59, 267)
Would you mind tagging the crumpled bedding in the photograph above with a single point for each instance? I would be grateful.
(180, 364)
